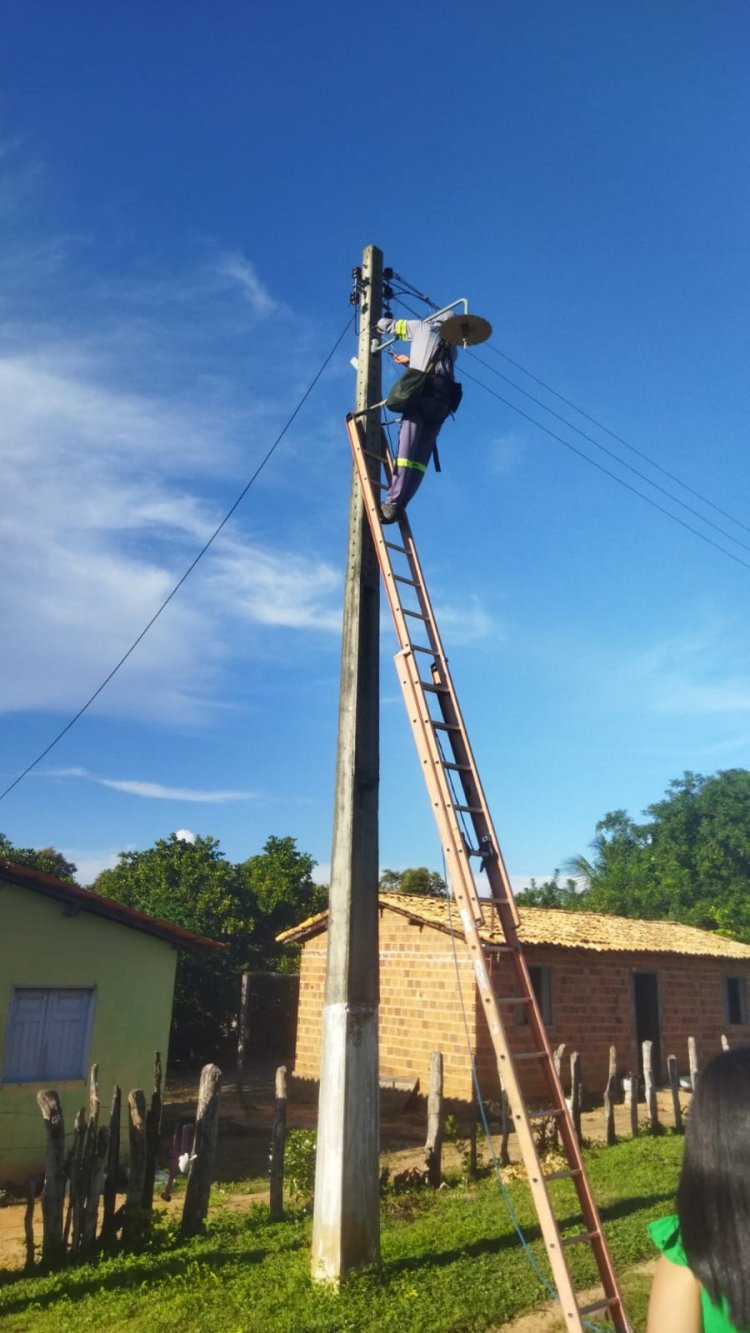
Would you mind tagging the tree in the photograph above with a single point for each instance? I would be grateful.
(551, 893)
(689, 861)
(243, 906)
(418, 880)
(47, 859)
(192, 885)
(280, 885)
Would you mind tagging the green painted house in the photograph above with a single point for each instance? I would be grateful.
(83, 980)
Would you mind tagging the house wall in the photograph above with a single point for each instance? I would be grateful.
(592, 1008)
(133, 976)
(420, 1009)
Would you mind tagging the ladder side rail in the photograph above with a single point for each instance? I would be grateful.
(571, 1146)
(464, 891)
(423, 727)
(494, 865)
(449, 828)
(461, 880)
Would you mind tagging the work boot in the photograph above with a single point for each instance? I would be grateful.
(389, 513)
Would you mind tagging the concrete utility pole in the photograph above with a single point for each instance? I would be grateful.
(346, 1223)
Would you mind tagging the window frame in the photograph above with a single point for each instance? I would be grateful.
(44, 1069)
(727, 1000)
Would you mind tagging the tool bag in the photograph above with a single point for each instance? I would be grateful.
(437, 396)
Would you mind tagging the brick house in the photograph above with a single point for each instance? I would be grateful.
(600, 980)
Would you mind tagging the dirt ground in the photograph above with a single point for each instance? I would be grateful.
(244, 1139)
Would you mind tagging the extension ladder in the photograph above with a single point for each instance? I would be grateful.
(458, 799)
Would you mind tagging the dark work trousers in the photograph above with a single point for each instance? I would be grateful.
(416, 441)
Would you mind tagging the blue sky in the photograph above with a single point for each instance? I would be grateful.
(185, 188)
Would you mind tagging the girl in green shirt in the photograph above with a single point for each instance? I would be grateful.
(702, 1280)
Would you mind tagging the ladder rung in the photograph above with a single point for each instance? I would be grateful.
(458, 768)
(421, 648)
(599, 1305)
(393, 546)
(513, 999)
(545, 1113)
(471, 810)
(531, 1055)
(579, 1238)
(568, 1174)
(416, 615)
(437, 689)
(446, 726)
(401, 578)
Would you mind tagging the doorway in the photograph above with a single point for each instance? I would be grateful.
(646, 1002)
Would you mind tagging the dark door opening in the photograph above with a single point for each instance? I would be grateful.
(646, 999)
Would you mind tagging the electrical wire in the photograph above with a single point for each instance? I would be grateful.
(611, 454)
(613, 435)
(581, 454)
(601, 468)
(64, 730)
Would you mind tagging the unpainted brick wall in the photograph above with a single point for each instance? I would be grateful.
(592, 1008)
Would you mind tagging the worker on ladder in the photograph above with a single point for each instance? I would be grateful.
(425, 414)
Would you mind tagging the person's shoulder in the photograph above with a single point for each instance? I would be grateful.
(665, 1233)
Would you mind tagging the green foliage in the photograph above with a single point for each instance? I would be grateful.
(47, 859)
(299, 1163)
(689, 861)
(242, 906)
(418, 880)
(451, 1264)
(551, 893)
(280, 885)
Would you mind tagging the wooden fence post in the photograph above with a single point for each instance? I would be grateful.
(242, 1030)
(557, 1058)
(53, 1192)
(28, 1225)
(724, 1042)
(75, 1173)
(609, 1097)
(674, 1083)
(433, 1148)
(278, 1140)
(134, 1196)
(650, 1086)
(473, 1162)
(153, 1132)
(693, 1062)
(504, 1128)
(96, 1184)
(109, 1226)
(576, 1091)
(633, 1103)
(204, 1147)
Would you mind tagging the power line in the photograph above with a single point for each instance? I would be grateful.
(600, 426)
(613, 475)
(601, 468)
(611, 454)
(188, 571)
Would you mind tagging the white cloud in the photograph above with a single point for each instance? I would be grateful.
(503, 453)
(242, 272)
(156, 792)
(690, 676)
(185, 835)
(105, 504)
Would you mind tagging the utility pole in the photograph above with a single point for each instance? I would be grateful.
(346, 1222)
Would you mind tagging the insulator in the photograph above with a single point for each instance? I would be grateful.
(387, 274)
(387, 293)
(357, 274)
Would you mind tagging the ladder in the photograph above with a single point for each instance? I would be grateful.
(458, 801)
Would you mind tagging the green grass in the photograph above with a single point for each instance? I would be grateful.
(452, 1263)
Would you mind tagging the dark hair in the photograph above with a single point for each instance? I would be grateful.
(713, 1197)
